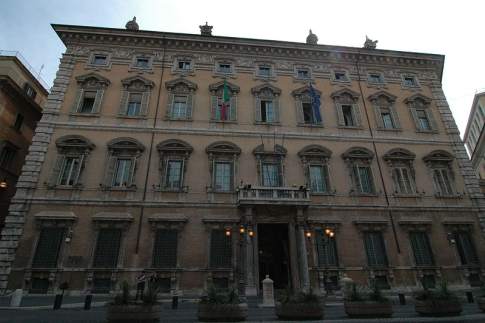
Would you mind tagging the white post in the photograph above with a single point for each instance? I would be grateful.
(268, 292)
(16, 298)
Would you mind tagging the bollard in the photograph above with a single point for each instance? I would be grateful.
(268, 292)
(16, 298)
(87, 302)
(175, 302)
(57, 302)
(469, 297)
(402, 299)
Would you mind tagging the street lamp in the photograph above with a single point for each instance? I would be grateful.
(3, 183)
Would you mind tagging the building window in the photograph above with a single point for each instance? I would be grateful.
(271, 175)
(410, 81)
(267, 103)
(359, 161)
(326, 249)
(223, 101)
(29, 91)
(107, 248)
(224, 68)
(19, 120)
(39, 285)
(318, 178)
(174, 155)
(165, 249)
(222, 160)
(375, 78)
(466, 248)
(420, 109)
(134, 104)
(270, 165)
(315, 162)
(442, 181)
(375, 249)
(6, 157)
(90, 93)
(421, 246)
(142, 62)
(385, 112)
(348, 114)
(303, 73)
(340, 76)
(180, 99)
(99, 59)
(402, 179)
(135, 96)
(308, 105)
(223, 176)
(48, 247)
(70, 171)
(184, 65)
(439, 163)
(423, 121)
(88, 100)
(220, 249)
(123, 172)
(264, 71)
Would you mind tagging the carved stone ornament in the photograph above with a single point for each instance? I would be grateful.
(206, 30)
(311, 39)
(369, 43)
(132, 24)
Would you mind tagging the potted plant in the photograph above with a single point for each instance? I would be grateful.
(481, 299)
(361, 303)
(125, 309)
(439, 302)
(221, 306)
(300, 306)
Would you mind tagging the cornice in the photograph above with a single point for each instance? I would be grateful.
(72, 35)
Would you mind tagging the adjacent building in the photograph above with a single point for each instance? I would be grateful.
(473, 138)
(22, 96)
(218, 160)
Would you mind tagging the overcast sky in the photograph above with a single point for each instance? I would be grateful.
(452, 28)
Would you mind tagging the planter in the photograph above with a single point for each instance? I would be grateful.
(438, 307)
(481, 303)
(133, 313)
(222, 312)
(299, 311)
(368, 309)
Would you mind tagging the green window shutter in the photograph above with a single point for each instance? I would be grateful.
(414, 115)
(233, 110)
(109, 171)
(77, 100)
(124, 102)
(276, 108)
(98, 101)
(107, 248)
(432, 121)
(377, 113)
(54, 178)
(48, 247)
(213, 107)
(77, 176)
(257, 109)
(165, 249)
(131, 180)
(356, 112)
(340, 115)
(190, 102)
(395, 116)
(220, 249)
(145, 101)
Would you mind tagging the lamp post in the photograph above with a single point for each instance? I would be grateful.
(245, 231)
(328, 234)
(3, 183)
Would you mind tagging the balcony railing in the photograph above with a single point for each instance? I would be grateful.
(274, 195)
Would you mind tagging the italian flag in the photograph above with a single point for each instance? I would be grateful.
(226, 101)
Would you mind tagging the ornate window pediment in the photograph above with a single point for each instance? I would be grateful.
(137, 83)
(438, 156)
(92, 80)
(270, 165)
(382, 98)
(180, 99)
(175, 146)
(420, 108)
(359, 160)
(181, 85)
(126, 144)
(358, 153)
(89, 95)
(345, 96)
(74, 142)
(214, 88)
(266, 89)
(399, 154)
(223, 147)
(174, 155)
(401, 165)
(385, 111)
(418, 100)
(348, 112)
(440, 165)
(135, 96)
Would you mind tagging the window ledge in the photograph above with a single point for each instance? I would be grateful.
(224, 75)
(346, 82)
(183, 189)
(131, 188)
(90, 66)
(303, 80)
(223, 121)
(121, 116)
(265, 78)
(190, 72)
(358, 194)
(389, 129)
(376, 85)
(141, 69)
(79, 114)
(350, 127)
(403, 195)
(261, 123)
(177, 119)
(426, 131)
(450, 196)
(65, 187)
(323, 193)
(211, 190)
(310, 125)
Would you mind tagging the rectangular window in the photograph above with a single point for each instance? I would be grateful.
(223, 176)
(100, 60)
(402, 180)
(184, 65)
(29, 90)
(267, 111)
(423, 120)
(341, 76)
(224, 68)
(220, 249)
(19, 120)
(348, 115)
(6, 157)
(223, 110)
(271, 175)
(326, 249)
(386, 116)
(363, 178)
(442, 181)
(375, 249)
(308, 113)
(179, 107)
(88, 102)
(122, 174)
(303, 74)
(375, 78)
(318, 178)
(142, 62)
(134, 104)
(173, 175)
(421, 248)
(165, 249)
(409, 81)
(264, 71)
(48, 247)
(466, 248)
(69, 171)
(107, 248)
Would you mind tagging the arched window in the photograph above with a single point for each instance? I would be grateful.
(223, 165)
(180, 99)
(89, 95)
(135, 96)
(315, 164)
(223, 101)
(266, 100)
(400, 162)
(359, 160)
(174, 155)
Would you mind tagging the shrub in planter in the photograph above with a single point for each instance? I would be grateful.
(300, 306)
(364, 303)
(124, 309)
(439, 302)
(221, 306)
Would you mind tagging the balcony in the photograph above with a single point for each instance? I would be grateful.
(247, 195)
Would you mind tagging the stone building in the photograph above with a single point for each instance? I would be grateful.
(473, 138)
(219, 160)
(22, 95)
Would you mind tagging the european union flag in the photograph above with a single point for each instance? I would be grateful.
(315, 104)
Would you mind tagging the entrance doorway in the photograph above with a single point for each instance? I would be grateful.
(273, 254)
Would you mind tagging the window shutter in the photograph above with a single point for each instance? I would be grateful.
(109, 171)
(257, 110)
(233, 111)
(299, 112)
(169, 105)
(131, 182)
(190, 101)
(280, 173)
(77, 100)
(220, 250)
(432, 122)
(354, 177)
(356, 112)
(165, 249)
(145, 100)
(395, 117)
(377, 113)
(340, 115)
(79, 169)
(182, 173)
(276, 109)
(124, 102)
(98, 100)
(414, 115)
(48, 247)
(213, 107)
(107, 248)
(54, 178)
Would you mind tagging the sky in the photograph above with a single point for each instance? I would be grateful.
(452, 28)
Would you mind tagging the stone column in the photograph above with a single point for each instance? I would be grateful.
(295, 280)
(302, 252)
(28, 180)
(251, 288)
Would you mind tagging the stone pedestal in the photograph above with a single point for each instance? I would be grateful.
(251, 289)
(16, 298)
(268, 292)
(346, 285)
